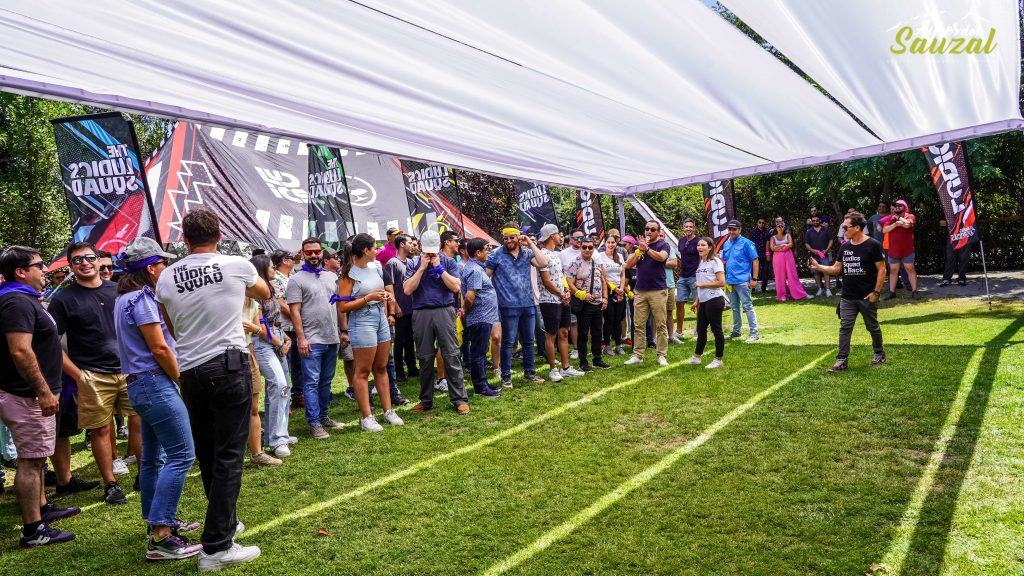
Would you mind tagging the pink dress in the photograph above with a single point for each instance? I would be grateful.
(784, 265)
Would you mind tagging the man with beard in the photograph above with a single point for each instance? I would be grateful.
(316, 331)
(649, 260)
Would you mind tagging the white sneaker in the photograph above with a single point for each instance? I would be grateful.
(694, 361)
(752, 339)
(370, 424)
(391, 418)
(575, 354)
(120, 467)
(818, 293)
(675, 339)
(239, 528)
(554, 375)
(292, 440)
(237, 554)
(633, 360)
(828, 293)
(662, 361)
(716, 363)
(571, 372)
(441, 385)
(131, 459)
(282, 451)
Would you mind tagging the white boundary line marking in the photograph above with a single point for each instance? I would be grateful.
(900, 543)
(430, 462)
(642, 478)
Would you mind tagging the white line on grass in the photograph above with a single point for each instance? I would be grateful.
(901, 539)
(424, 464)
(640, 479)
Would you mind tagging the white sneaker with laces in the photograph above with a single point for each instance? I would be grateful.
(292, 440)
(662, 361)
(239, 528)
(694, 360)
(571, 372)
(554, 375)
(675, 339)
(282, 451)
(752, 339)
(131, 459)
(120, 467)
(633, 360)
(575, 354)
(370, 424)
(237, 554)
(716, 363)
(394, 419)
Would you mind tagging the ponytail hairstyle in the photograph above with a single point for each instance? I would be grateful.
(359, 245)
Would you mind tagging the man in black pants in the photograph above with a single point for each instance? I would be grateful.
(956, 260)
(394, 276)
(590, 288)
(202, 297)
(863, 268)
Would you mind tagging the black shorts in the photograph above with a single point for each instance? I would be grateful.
(67, 412)
(555, 316)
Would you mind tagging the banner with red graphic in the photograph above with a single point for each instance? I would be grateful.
(719, 208)
(949, 173)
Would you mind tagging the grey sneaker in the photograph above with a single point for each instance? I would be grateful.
(317, 431)
(237, 554)
(878, 360)
(326, 422)
(839, 366)
(370, 424)
(264, 460)
(675, 339)
(391, 418)
(533, 378)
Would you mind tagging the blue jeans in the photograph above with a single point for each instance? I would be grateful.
(517, 322)
(7, 449)
(740, 296)
(317, 374)
(275, 393)
(167, 448)
(478, 336)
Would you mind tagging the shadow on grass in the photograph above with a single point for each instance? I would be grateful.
(931, 536)
(999, 314)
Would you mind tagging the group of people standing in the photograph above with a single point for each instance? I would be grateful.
(183, 349)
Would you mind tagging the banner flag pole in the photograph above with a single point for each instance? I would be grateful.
(622, 217)
(984, 269)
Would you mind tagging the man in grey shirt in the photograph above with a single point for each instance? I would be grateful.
(316, 334)
(394, 276)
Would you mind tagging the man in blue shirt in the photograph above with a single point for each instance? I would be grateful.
(480, 303)
(509, 266)
(432, 281)
(741, 268)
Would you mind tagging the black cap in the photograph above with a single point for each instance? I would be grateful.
(734, 223)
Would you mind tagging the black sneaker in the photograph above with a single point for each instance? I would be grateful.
(44, 536)
(52, 513)
(184, 526)
(914, 295)
(889, 296)
(944, 283)
(601, 364)
(586, 368)
(113, 494)
(961, 282)
(487, 392)
(75, 485)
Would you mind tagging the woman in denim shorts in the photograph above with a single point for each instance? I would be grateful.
(362, 296)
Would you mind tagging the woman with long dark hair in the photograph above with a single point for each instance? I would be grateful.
(362, 296)
(710, 302)
(615, 272)
(270, 346)
(146, 349)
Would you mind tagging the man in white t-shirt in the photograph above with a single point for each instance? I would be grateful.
(202, 296)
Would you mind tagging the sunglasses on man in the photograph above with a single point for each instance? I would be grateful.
(650, 229)
(38, 265)
(311, 253)
(77, 260)
(110, 267)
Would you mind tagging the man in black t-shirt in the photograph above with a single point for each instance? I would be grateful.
(30, 361)
(863, 268)
(818, 242)
(84, 311)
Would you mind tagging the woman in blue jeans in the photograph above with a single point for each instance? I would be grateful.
(146, 349)
(271, 349)
(362, 296)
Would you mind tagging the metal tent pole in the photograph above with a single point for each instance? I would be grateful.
(984, 269)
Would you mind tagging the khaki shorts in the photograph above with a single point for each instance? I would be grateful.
(99, 396)
(254, 369)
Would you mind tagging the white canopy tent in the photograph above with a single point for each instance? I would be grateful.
(618, 97)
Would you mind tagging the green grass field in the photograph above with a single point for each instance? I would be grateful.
(769, 466)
